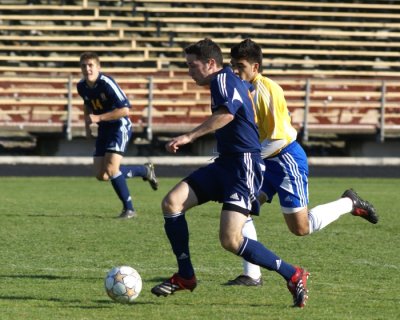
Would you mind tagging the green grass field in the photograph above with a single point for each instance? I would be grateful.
(59, 237)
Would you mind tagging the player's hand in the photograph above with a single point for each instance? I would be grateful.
(175, 143)
(92, 118)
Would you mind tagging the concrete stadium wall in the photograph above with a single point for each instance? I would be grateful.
(181, 166)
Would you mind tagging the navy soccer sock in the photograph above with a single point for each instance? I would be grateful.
(177, 232)
(133, 171)
(255, 252)
(121, 188)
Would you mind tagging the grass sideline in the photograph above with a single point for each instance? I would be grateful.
(59, 237)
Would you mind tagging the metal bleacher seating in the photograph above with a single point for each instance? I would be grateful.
(338, 62)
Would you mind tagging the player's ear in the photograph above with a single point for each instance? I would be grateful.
(212, 63)
(256, 67)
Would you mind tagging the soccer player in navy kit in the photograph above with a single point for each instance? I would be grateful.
(233, 179)
(106, 105)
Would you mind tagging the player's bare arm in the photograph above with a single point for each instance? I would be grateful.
(109, 116)
(218, 119)
(86, 113)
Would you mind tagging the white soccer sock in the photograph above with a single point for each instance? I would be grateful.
(249, 231)
(320, 216)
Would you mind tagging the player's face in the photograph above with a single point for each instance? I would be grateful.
(244, 69)
(90, 70)
(199, 70)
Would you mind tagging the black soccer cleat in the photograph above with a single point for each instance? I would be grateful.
(127, 214)
(361, 208)
(151, 176)
(244, 280)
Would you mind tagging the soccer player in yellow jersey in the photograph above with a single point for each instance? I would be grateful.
(286, 162)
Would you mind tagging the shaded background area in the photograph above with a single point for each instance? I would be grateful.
(183, 170)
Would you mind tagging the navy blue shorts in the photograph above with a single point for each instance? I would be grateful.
(113, 138)
(287, 175)
(232, 180)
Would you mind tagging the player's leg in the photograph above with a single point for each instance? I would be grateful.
(290, 179)
(251, 273)
(99, 168)
(130, 171)
(174, 206)
(322, 215)
(112, 162)
(287, 175)
(304, 221)
(231, 238)
(145, 171)
(199, 187)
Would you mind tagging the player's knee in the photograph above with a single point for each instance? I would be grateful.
(229, 243)
(169, 205)
(101, 176)
(299, 230)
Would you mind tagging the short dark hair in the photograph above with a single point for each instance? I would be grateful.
(248, 50)
(206, 49)
(89, 55)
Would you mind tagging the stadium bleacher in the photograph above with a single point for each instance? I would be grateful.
(338, 61)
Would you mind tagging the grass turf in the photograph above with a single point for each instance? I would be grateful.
(59, 237)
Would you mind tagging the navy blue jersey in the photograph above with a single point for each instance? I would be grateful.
(241, 134)
(103, 97)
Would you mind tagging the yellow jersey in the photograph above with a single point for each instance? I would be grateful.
(273, 118)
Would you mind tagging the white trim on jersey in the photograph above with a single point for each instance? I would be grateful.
(221, 80)
(118, 91)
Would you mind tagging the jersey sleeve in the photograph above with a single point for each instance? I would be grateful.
(224, 93)
(115, 94)
(79, 88)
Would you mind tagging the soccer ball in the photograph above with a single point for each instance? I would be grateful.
(123, 284)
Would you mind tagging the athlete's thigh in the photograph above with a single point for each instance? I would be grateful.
(112, 161)
(230, 230)
(118, 138)
(113, 138)
(98, 166)
(242, 179)
(179, 199)
(205, 182)
(298, 222)
(288, 175)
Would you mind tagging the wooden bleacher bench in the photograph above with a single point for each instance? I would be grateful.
(285, 3)
(327, 106)
(141, 31)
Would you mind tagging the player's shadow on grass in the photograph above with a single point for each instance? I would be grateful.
(67, 303)
(47, 277)
(37, 276)
(109, 302)
(80, 216)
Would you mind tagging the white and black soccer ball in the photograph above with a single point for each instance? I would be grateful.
(123, 284)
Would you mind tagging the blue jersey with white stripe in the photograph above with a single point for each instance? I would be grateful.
(241, 134)
(104, 96)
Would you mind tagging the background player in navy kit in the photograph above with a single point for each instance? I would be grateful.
(106, 105)
(233, 179)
